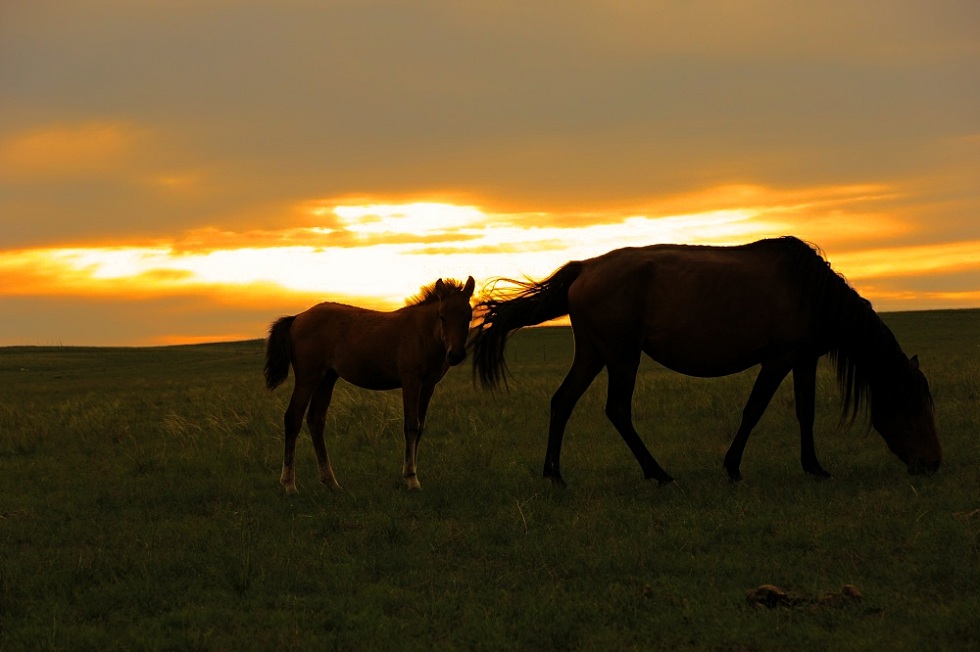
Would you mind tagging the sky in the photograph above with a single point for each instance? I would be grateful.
(179, 171)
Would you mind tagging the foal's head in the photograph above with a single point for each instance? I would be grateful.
(455, 314)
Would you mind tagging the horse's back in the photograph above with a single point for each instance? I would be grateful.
(358, 344)
(700, 310)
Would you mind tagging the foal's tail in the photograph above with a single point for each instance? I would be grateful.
(277, 355)
(504, 312)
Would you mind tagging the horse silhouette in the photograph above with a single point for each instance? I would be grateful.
(714, 311)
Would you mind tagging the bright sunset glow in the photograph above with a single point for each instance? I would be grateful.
(167, 177)
(385, 252)
(391, 251)
(377, 255)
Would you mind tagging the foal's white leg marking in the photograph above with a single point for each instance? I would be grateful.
(288, 479)
(327, 477)
(414, 401)
(410, 475)
(409, 471)
(413, 483)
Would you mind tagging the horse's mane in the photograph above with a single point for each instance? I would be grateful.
(861, 347)
(429, 293)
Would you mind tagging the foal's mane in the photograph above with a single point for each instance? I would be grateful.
(861, 347)
(429, 293)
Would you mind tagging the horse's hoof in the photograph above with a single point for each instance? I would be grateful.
(658, 474)
(558, 481)
(819, 473)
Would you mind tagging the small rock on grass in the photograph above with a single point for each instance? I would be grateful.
(770, 596)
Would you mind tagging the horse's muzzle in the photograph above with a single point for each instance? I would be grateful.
(455, 356)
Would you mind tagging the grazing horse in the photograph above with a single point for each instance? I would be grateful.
(715, 311)
(411, 348)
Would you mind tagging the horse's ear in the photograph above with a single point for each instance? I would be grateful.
(914, 362)
(469, 287)
(440, 287)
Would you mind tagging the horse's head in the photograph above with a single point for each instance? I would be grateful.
(905, 419)
(455, 314)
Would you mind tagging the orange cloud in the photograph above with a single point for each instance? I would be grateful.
(67, 151)
(921, 260)
(379, 253)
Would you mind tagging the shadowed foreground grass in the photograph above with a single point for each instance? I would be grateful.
(140, 509)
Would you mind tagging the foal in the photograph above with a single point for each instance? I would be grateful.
(410, 348)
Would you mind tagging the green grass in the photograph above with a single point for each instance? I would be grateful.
(140, 509)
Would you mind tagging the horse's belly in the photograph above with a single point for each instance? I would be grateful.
(705, 368)
(373, 383)
(704, 358)
(369, 379)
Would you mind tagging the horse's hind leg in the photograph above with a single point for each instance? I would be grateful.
(619, 410)
(316, 418)
(293, 422)
(805, 388)
(586, 365)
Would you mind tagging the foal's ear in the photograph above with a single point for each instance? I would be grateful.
(914, 362)
(468, 288)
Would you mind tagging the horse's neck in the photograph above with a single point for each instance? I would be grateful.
(422, 322)
(873, 348)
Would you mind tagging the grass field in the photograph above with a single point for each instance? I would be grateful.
(140, 509)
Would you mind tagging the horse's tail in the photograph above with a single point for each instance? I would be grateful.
(277, 356)
(528, 304)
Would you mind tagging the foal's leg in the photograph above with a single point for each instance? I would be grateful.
(586, 365)
(411, 400)
(619, 410)
(770, 376)
(293, 421)
(424, 397)
(316, 419)
(805, 389)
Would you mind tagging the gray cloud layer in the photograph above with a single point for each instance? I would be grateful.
(530, 103)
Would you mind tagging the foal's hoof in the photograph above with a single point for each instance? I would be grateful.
(734, 475)
(329, 480)
(665, 480)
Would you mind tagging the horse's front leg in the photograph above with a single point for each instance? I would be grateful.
(414, 415)
(424, 397)
(766, 384)
(805, 388)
